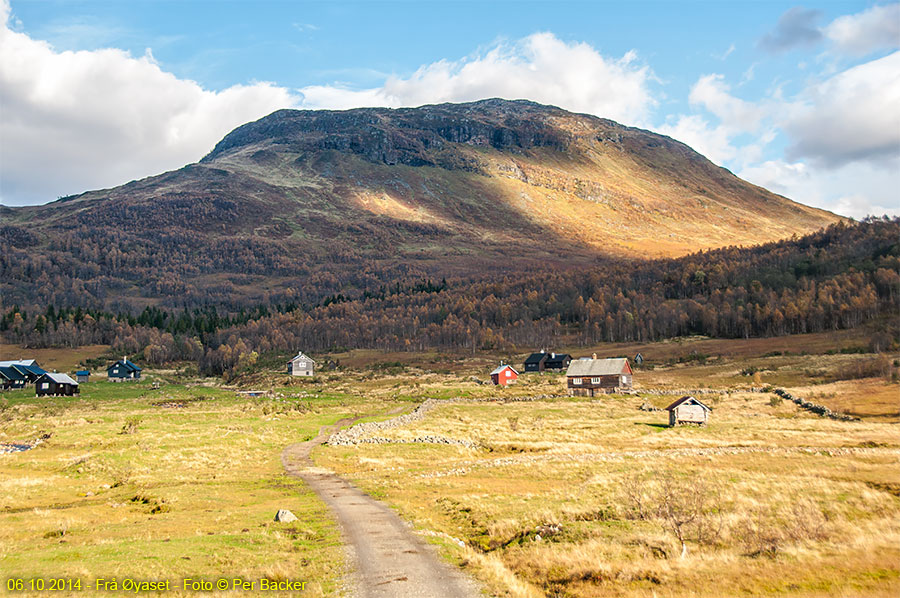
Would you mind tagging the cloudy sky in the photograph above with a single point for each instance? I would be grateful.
(802, 99)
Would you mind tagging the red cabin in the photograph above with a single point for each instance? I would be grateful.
(504, 375)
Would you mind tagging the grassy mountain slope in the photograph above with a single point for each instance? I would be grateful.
(305, 203)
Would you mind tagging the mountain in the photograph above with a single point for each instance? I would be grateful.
(302, 204)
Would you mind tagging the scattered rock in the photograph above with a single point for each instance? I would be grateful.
(546, 531)
(285, 516)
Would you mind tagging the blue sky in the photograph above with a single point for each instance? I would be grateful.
(802, 99)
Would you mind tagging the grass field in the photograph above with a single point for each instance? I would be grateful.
(789, 503)
(771, 500)
(179, 482)
(183, 481)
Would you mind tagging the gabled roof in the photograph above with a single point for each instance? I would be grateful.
(597, 367)
(502, 367)
(10, 373)
(536, 357)
(6, 364)
(126, 364)
(60, 378)
(300, 355)
(34, 369)
(559, 357)
(686, 399)
(28, 370)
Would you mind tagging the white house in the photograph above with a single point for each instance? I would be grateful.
(301, 365)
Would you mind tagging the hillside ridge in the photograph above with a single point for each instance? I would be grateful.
(305, 203)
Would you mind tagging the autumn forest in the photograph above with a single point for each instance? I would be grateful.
(840, 277)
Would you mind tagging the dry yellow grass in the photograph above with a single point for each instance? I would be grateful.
(64, 360)
(794, 504)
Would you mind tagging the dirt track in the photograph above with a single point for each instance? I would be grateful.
(390, 561)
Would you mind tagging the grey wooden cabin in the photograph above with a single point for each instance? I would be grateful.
(301, 365)
(688, 410)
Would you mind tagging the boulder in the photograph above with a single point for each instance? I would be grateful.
(285, 516)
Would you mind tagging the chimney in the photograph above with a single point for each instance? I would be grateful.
(593, 356)
(543, 350)
(553, 355)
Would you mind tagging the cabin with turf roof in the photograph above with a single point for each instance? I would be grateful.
(589, 376)
(123, 371)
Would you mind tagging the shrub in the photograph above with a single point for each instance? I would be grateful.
(131, 425)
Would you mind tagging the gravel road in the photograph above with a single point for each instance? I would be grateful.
(390, 561)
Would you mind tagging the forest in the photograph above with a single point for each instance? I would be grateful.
(841, 277)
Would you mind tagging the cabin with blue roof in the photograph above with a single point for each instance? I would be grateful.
(26, 368)
(82, 376)
(11, 378)
(122, 371)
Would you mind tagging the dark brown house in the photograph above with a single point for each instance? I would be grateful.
(558, 361)
(587, 377)
(56, 385)
(536, 362)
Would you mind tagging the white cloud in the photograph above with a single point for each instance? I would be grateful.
(874, 29)
(855, 190)
(540, 67)
(714, 142)
(80, 120)
(842, 135)
(852, 116)
(711, 92)
(74, 121)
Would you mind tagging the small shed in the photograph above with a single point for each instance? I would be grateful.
(638, 359)
(504, 375)
(301, 365)
(591, 376)
(688, 410)
(123, 370)
(83, 376)
(536, 362)
(11, 378)
(56, 385)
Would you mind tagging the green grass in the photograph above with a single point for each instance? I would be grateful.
(190, 493)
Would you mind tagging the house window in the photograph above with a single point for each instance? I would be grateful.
(576, 381)
(595, 380)
(508, 374)
(45, 385)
